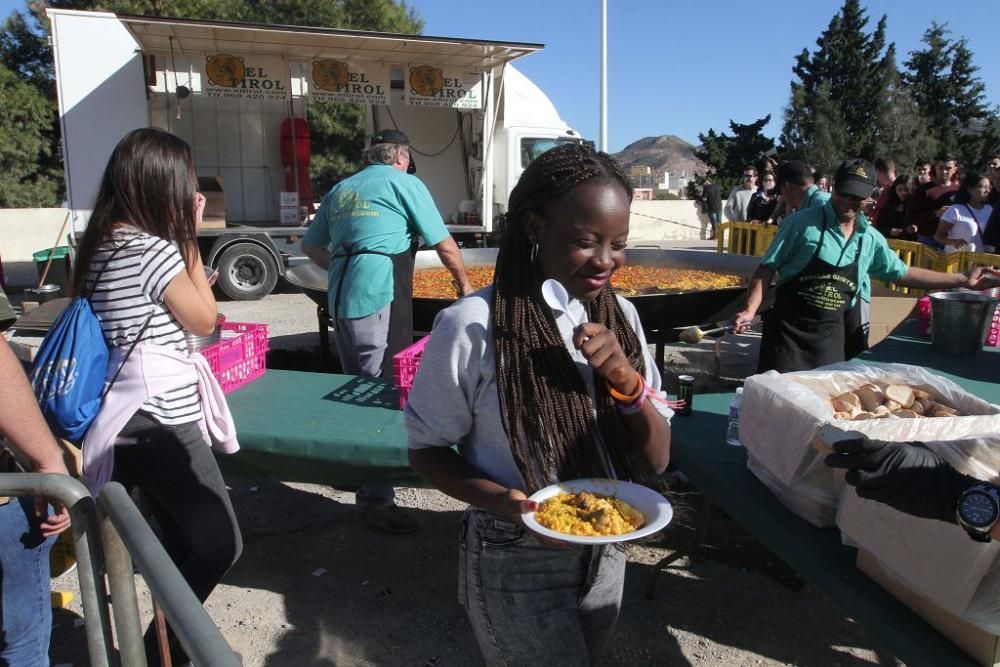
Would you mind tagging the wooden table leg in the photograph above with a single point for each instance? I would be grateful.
(700, 538)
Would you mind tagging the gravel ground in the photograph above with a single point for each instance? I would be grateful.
(316, 587)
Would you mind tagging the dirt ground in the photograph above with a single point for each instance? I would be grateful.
(316, 587)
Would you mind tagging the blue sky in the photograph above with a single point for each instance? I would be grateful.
(681, 67)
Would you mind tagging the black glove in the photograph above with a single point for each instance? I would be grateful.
(904, 475)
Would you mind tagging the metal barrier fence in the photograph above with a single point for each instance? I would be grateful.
(746, 238)
(107, 535)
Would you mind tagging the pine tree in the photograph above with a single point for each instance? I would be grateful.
(942, 80)
(837, 104)
(727, 155)
(903, 133)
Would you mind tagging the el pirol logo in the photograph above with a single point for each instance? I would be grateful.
(426, 80)
(858, 170)
(225, 70)
(330, 74)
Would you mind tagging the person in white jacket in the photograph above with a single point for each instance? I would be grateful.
(739, 197)
(139, 264)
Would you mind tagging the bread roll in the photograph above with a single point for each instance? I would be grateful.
(842, 415)
(918, 407)
(920, 394)
(900, 394)
(840, 405)
(906, 414)
(881, 412)
(870, 396)
(892, 406)
(863, 415)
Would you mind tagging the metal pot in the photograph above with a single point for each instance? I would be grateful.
(960, 319)
(43, 293)
(196, 343)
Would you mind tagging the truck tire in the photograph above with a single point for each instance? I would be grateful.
(247, 272)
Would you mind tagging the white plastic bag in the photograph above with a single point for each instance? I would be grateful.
(935, 559)
(780, 413)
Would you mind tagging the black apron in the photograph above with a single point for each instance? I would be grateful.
(400, 310)
(805, 329)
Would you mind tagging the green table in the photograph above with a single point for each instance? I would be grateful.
(320, 428)
(719, 471)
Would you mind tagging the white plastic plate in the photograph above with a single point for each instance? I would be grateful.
(654, 507)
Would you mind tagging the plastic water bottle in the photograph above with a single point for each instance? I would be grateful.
(733, 430)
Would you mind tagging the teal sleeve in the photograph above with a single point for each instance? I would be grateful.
(318, 233)
(420, 206)
(784, 243)
(885, 265)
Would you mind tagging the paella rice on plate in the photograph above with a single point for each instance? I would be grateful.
(588, 514)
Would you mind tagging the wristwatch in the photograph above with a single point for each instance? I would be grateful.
(978, 510)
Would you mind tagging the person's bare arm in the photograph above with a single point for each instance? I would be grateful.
(451, 257)
(189, 296)
(760, 282)
(451, 474)
(941, 235)
(319, 255)
(25, 428)
(977, 279)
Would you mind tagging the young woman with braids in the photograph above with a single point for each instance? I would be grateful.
(528, 398)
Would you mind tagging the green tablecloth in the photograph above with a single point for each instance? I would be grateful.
(719, 471)
(321, 428)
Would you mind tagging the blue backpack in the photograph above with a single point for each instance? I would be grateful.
(68, 372)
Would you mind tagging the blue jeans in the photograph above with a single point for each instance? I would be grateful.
(531, 604)
(714, 218)
(26, 618)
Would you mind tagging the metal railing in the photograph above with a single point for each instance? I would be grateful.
(107, 535)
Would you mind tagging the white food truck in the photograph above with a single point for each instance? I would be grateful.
(238, 93)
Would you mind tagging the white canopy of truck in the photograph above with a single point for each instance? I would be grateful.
(295, 42)
(306, 43)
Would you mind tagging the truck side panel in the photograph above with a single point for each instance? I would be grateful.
(238, 140)
(101, 91)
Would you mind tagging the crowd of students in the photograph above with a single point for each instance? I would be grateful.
(939, 204)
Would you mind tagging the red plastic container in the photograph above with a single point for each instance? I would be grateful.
(405, 365)
(240, 359)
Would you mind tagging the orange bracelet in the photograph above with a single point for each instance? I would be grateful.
(622, 398)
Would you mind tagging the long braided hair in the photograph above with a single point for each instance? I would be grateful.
(545, 407)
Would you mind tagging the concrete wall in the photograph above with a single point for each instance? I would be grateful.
(24, 231)
(662, 220)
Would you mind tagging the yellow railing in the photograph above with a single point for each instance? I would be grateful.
(744, 238)
(750, 238)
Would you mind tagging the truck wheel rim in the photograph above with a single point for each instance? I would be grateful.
(247, 273)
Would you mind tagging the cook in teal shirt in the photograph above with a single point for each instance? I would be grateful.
(799, 234)
(379, 209)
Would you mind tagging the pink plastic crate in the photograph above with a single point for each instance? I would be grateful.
(405, 365)
(238, 360)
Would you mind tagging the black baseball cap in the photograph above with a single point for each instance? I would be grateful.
(855, 178)
(391, 136)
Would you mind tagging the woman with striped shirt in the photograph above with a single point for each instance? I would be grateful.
(139, 264)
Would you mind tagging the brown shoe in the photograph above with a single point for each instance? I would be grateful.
(391, 519)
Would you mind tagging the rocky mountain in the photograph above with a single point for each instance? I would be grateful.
(664, 153)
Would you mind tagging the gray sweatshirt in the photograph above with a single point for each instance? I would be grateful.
(454, 396)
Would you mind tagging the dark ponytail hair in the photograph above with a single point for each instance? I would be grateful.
(149, 183)
(545, 407)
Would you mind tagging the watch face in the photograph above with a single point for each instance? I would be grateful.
(978, 509)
